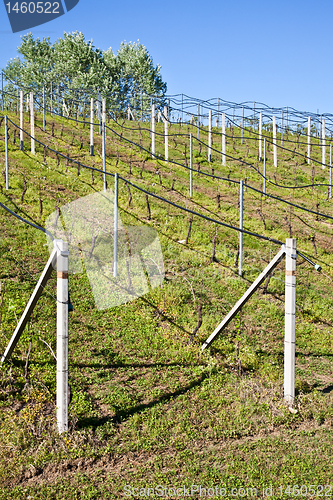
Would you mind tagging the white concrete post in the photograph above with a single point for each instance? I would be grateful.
(240, 255)
(166, 136)
(104, 110)
(309, 138)
(92, 126)
(6, 152)
(191, 166)
(1, 91)
(290, 323)
(32, 123)
(104, 156)
(51, 100)
(242, 134)
(62, 335)
(44, 108)
(153, 130)
(274, 142)
(181, 120)
(330, 186)
(115, 226)
(128, 113)
(264, 179)
(99, 114)
(323, 138)
(210, 136)
(260, 136)
(223, 140)
(21, 119)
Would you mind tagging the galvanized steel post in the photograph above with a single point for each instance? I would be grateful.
(210, 136)
(223, 140)
(21, 119)
(91, 126)
(191, 166)
(32, 123)
(166, 137)
(6, 151)
(115, 225)
(309, 138)
(153, 130)
(240, 254)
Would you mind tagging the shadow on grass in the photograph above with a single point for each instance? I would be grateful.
(122, 415)
(327, 389)
(129, 365)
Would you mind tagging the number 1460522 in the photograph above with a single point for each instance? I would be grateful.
(33, 7)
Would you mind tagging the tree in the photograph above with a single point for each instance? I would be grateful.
(136, 72)
(80, 69)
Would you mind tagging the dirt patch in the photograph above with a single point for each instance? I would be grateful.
(110, 464)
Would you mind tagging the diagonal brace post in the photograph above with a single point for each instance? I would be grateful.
(30, 306)
(249, 292)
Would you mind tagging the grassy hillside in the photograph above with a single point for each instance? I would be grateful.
(148, 407)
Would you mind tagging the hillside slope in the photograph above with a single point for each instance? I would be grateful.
(148, 407)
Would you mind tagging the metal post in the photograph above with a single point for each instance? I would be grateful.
(103, 155)
(44, 108)
(274, 142)
(191, 166)
(282, 129)
(115, 223)
(260, 136)
(323, 137)
(59, 107)
(198, 121)
(104, 111)
(62, 335)
(166, 137)
(32, 123)
(309, 138)
(141, 109)
(92, 126)
(6, 151)
(264, 180)
(153, 130)
(99, 114)
(181, 119)
(210, 136)
(51, 98)
(330, 186)
(242, 127)
(1, 91)
(290, 315)
(21, 119)
(240, 255)
(223, 140)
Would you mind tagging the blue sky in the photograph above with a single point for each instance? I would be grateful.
(279, 53)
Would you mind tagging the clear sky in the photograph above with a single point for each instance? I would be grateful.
(279, 53)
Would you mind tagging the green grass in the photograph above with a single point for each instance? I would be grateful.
(148, 407)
